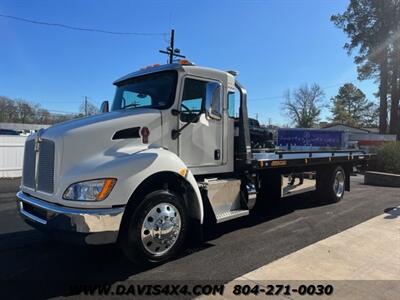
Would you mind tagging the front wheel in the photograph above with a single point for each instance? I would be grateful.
(331, 184)
(157, 229)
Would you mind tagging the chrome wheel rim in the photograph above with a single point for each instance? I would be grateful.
(161, 228)
(338, 185)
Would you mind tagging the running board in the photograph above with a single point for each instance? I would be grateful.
(224, 195)
(230, 215)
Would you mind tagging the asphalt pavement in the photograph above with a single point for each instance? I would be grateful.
(230, 249)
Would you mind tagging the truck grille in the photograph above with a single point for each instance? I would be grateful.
(28, 178)
(45, 166)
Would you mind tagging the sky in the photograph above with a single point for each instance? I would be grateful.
(274, 45)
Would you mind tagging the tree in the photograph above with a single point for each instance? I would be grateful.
(7, 110)
(351, 107)
(88, 109)
(21, 111)
(371, 119)
(25, 111)
(395, 67)
(43, 116)
(373, 29)
(303, 106)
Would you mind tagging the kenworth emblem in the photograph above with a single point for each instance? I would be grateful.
(38, 139)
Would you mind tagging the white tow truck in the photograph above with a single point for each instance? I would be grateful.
(169, 157)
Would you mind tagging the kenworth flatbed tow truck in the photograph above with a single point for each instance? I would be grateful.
(168, 158)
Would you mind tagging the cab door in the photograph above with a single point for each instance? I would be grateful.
(200, 143)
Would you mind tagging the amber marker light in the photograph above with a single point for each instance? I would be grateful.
(107, 187)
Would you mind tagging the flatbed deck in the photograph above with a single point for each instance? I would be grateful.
(274, 159)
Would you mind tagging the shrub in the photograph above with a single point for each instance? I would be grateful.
(388, 158)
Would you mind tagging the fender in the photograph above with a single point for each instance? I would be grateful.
(166, 161)
(136, 168)
(130, 168)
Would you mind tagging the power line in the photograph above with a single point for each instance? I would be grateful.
(82, 28)
(266, 98)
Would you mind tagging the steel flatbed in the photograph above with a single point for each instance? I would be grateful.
(274, 159)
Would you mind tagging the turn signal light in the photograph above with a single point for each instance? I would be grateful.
(107, 187)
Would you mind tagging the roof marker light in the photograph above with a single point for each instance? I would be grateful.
(184, 62)
(150, 66)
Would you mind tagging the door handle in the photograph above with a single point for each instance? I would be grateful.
(217, 154)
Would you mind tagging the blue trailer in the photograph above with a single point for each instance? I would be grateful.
(309, 139)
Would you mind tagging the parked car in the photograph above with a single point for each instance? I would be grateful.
(8, 132)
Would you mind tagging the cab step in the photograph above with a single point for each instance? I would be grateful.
(230, 215)
(224, 195)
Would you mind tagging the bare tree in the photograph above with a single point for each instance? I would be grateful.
(43, 116)
(8, 110)
(87, 108)
(303, 105)
(25, 111)
(21, 111)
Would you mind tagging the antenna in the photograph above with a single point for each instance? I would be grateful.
(171, 51)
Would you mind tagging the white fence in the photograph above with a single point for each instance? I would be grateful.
(11, 155)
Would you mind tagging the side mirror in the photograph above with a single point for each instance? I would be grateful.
(104, 107)
(213, 105)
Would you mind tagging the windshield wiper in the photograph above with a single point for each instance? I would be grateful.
(134, 105)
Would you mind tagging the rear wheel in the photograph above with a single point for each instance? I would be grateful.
(157, 229)
(331, 184)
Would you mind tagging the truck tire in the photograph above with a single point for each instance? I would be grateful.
(331, 184)
(156, 229)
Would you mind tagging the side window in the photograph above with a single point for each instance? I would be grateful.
(193, 99)
(214, 100)
(231, 104)
(195, 94)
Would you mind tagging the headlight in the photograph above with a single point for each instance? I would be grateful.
(91, 190)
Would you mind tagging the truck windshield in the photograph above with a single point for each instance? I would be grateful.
(155, 90)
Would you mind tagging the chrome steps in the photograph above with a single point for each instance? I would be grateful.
(224, 196)
(230, 215)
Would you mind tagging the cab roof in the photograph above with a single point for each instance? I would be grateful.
(188, 68)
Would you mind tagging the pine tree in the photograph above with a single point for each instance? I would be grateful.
(369, 25)
(351, 107)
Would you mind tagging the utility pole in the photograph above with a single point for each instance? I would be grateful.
(171, 50)
(171, 54)
(86, 110)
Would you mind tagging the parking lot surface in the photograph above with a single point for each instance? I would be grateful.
(229, 251)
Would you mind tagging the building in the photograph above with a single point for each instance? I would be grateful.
(361, 138)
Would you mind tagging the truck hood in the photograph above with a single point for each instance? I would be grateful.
(114, 118)
(83, 146)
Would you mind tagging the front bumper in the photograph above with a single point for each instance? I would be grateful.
(89, 226)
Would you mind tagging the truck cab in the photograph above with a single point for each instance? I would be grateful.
(194, 110)
(168, 157)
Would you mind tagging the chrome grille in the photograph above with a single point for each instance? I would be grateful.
(28, 177)
(46, 166)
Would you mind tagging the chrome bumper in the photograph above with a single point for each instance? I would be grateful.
(91, 226)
